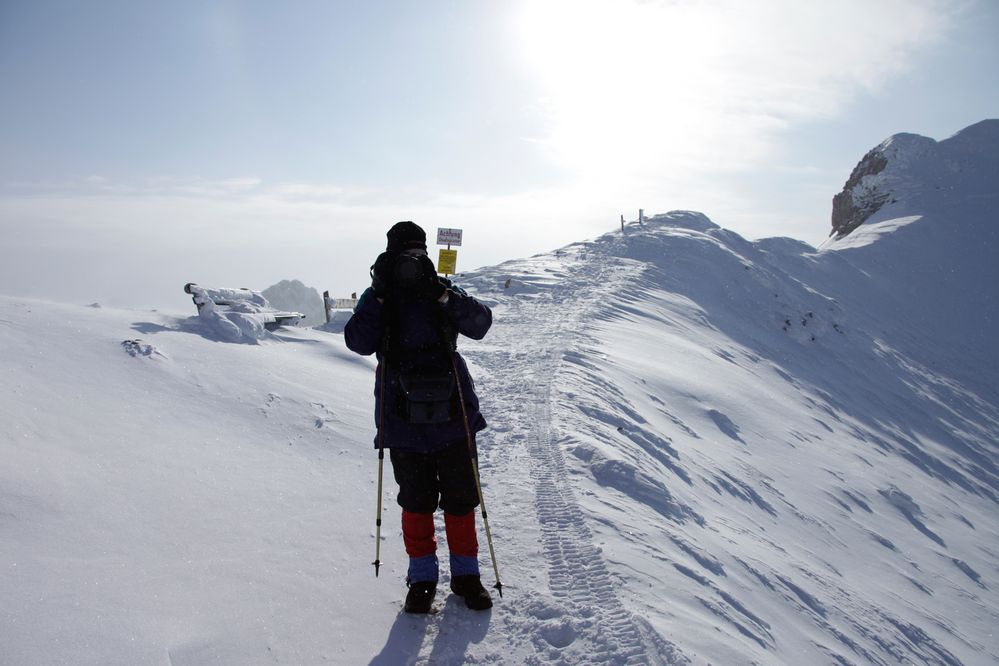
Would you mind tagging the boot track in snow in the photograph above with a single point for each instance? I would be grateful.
(579, 580)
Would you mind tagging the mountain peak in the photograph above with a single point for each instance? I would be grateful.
(905, 166)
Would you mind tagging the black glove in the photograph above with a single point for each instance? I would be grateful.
(430, 285)
(381, 274)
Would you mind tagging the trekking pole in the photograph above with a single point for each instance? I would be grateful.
(381, 464)
(475, 472)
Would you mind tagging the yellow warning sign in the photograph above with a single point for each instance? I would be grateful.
(447, 261)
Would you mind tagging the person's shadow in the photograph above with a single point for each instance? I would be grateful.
(453, 638)
(404, 640)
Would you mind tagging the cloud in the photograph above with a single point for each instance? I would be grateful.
(97, 185)
(646, 91)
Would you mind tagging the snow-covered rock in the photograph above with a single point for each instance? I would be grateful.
(906, 167)
(927, 258)
(295, 296)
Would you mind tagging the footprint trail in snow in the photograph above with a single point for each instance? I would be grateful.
(575, 615)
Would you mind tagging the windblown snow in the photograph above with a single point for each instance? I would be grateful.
(701, 450)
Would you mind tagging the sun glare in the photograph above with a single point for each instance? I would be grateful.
(622, 81)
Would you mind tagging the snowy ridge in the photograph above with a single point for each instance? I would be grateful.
(725, 436)
(934, 280)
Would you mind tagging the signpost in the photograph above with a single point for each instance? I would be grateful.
(447, 260)
(448, 237)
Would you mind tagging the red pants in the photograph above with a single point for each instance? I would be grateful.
(418, 534)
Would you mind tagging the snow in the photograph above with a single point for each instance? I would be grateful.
(701, 450)
(235, 315)
(870, 233)
(294, 296)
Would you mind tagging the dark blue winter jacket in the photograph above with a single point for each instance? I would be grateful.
(414, 332)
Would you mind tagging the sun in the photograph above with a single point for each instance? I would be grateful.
(620, 80)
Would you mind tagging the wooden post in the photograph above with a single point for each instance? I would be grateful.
(326, 304)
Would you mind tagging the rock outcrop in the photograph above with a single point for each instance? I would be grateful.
(856, 202)
(906, 166)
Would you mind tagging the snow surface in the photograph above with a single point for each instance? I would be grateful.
(701, 450)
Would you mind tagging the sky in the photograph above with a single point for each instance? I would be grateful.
(145, 145)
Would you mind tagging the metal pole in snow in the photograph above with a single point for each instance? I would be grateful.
(473, 454)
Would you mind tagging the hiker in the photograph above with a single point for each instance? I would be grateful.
(410, 318)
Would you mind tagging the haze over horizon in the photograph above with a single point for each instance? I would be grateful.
(241, 143)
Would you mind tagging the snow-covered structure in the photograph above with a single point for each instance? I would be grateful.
(238, 314)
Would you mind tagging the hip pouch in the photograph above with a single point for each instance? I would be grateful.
(428, 398)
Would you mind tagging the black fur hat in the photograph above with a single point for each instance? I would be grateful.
(406, 236)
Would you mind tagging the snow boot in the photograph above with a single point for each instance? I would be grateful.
(420, 597)
(470, 589)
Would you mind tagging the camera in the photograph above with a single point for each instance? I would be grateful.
(408, 271)
(406, 275)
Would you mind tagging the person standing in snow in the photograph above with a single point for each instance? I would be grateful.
(410, 318)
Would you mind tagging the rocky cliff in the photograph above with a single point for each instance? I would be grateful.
(896, 173)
